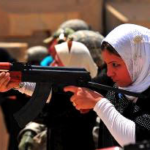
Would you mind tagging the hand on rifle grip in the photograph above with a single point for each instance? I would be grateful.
(6, 83)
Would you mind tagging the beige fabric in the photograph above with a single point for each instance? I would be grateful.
(78, 56)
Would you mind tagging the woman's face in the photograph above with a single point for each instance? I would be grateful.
(116, 69)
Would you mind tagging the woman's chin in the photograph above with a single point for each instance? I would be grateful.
(122, 84)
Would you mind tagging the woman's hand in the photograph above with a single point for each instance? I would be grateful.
(83, 98)
(6, 83)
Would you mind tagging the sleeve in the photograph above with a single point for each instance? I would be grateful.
(27, 88)
(121, 128)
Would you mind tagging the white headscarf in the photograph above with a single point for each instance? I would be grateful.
(132, 42)
(77, 56)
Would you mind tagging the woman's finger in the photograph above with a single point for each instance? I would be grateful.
(5, 78)
(72, 89)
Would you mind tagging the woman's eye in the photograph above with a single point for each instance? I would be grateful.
(115, 65)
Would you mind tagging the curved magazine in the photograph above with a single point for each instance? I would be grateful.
(35, 105)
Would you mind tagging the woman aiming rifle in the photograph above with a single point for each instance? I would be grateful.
(125, 119)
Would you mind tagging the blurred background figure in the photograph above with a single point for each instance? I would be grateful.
(38, 55)
(5, 56)
(11, 102)
(64, 30)
(92, 40)
(75, 24)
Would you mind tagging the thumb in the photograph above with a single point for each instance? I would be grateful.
(70, 89)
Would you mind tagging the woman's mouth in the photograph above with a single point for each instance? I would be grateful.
(115, 80)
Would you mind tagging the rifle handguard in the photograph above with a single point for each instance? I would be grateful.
(15, 75)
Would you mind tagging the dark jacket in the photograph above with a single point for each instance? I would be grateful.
(139, 112)
(69, 129)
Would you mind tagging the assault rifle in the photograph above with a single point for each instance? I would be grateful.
(47, 78)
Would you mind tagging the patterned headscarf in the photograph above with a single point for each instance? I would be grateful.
(132, 42)
(77, 56)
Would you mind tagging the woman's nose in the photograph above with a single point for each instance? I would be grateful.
(110, 72)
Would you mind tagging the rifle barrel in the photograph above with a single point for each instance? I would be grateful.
(105, 87)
